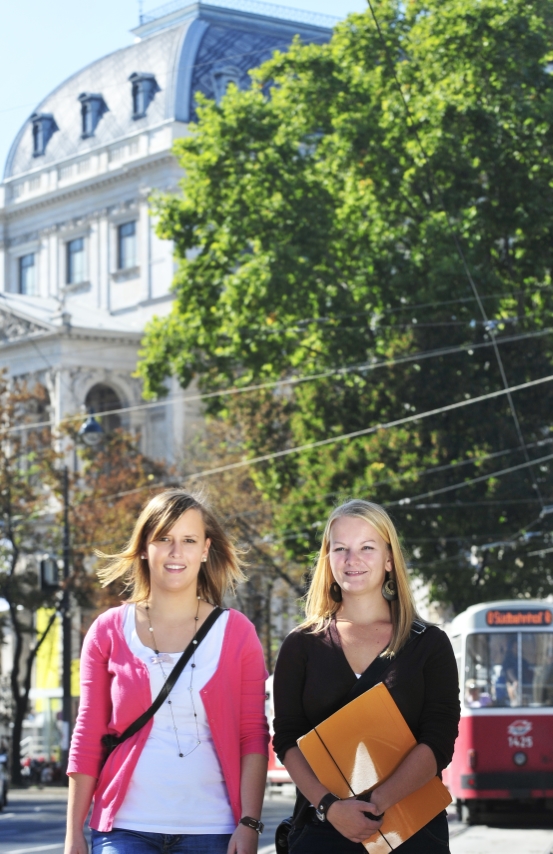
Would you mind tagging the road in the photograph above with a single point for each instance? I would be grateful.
(34, 820)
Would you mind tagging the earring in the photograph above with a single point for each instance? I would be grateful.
(204, 559)
(143, 557)
(389, 589)
(335, 592)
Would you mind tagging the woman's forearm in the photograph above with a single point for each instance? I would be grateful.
(81, 790)
(302, 775)
(253, 774)
(416, 769)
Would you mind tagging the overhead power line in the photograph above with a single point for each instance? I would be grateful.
(363, 367)
(336, 439)
(465, 483)
(368, 430)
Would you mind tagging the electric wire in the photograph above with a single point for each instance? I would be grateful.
(344, 437)
(368, 430)
(291, 381)
(466, 483)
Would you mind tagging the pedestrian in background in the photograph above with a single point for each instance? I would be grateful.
(360, 614)
(191, 779)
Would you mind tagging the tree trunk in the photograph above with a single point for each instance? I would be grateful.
(20, 694)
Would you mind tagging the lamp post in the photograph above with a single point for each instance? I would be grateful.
(91, 433)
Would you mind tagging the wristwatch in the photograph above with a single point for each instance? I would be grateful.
(324, 805)
(252, 822)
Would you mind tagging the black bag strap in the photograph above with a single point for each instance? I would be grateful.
(112, 741)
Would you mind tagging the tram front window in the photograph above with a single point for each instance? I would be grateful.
(509, 669)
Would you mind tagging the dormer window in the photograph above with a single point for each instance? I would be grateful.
(223, 75)
(144, 89)
(93, 108)
(44, 126)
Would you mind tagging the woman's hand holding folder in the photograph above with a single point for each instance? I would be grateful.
(350, 818)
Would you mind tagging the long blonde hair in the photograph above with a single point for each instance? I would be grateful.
(219, 574)
(319, 605)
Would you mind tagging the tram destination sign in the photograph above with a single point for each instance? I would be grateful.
(522, 617)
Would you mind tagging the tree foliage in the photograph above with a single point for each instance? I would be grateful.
(106, 493)
(331, 219)
(28, 475)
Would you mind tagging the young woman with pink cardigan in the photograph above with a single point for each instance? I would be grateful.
(191, 780)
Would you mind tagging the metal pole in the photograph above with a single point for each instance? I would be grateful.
(66, 629)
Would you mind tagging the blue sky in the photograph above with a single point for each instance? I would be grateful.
(42, 43)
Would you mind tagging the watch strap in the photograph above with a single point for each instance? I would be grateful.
(324, 805)
(248, 821)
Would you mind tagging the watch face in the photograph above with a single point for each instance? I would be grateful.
(320, 812)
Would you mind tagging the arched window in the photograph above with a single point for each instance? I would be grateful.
(102, 398)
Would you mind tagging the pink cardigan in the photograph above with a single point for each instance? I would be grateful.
(115, 690)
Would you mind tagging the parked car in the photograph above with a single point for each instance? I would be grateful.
(4, 781)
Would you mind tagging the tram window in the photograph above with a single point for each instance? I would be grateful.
(509, 669)
(457, 644)
(537, 669)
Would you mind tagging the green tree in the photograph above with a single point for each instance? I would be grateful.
(106, 494)
(320, 227)
(28, 477)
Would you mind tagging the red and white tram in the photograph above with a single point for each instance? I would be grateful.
(504, 752)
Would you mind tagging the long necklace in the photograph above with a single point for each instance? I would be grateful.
(159, 658)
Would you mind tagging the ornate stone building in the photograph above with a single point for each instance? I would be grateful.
(81, 268)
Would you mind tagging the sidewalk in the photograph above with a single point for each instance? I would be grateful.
(53, 793)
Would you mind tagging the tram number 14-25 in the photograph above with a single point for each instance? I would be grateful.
(520, 741)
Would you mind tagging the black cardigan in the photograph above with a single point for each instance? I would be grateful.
(313, 680)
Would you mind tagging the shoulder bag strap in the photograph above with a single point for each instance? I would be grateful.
(111, 741)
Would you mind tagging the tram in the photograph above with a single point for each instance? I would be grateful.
(504, 752)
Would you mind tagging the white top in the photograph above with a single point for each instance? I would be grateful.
(169, 794)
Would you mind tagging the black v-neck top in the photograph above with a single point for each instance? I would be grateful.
(313, 680)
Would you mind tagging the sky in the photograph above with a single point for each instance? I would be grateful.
(43, 43)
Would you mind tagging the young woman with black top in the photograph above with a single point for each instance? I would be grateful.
(361, 619)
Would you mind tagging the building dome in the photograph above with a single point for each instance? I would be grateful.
(179, 51)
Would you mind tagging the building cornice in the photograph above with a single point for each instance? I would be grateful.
(73, 334)
(13, 210)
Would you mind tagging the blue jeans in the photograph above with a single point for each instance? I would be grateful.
(317, 837)
(118, 841)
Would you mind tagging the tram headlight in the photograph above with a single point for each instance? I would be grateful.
(520, 758)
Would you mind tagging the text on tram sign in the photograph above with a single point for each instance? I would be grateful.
(519, 618)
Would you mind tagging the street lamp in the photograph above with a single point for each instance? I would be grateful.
(91, 433)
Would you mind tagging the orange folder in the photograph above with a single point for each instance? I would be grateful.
(359, 747)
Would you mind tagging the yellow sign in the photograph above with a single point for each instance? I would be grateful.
(48, 655)
(76, 677)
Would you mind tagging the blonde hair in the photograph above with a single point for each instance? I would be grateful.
(320, 608)
(220, 572)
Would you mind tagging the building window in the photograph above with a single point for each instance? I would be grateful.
(223, 75)
(75, 261)
(102, 398)
(93, 108)
(44, 126)
(144, 89)
(27, 274)
(126, 246)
